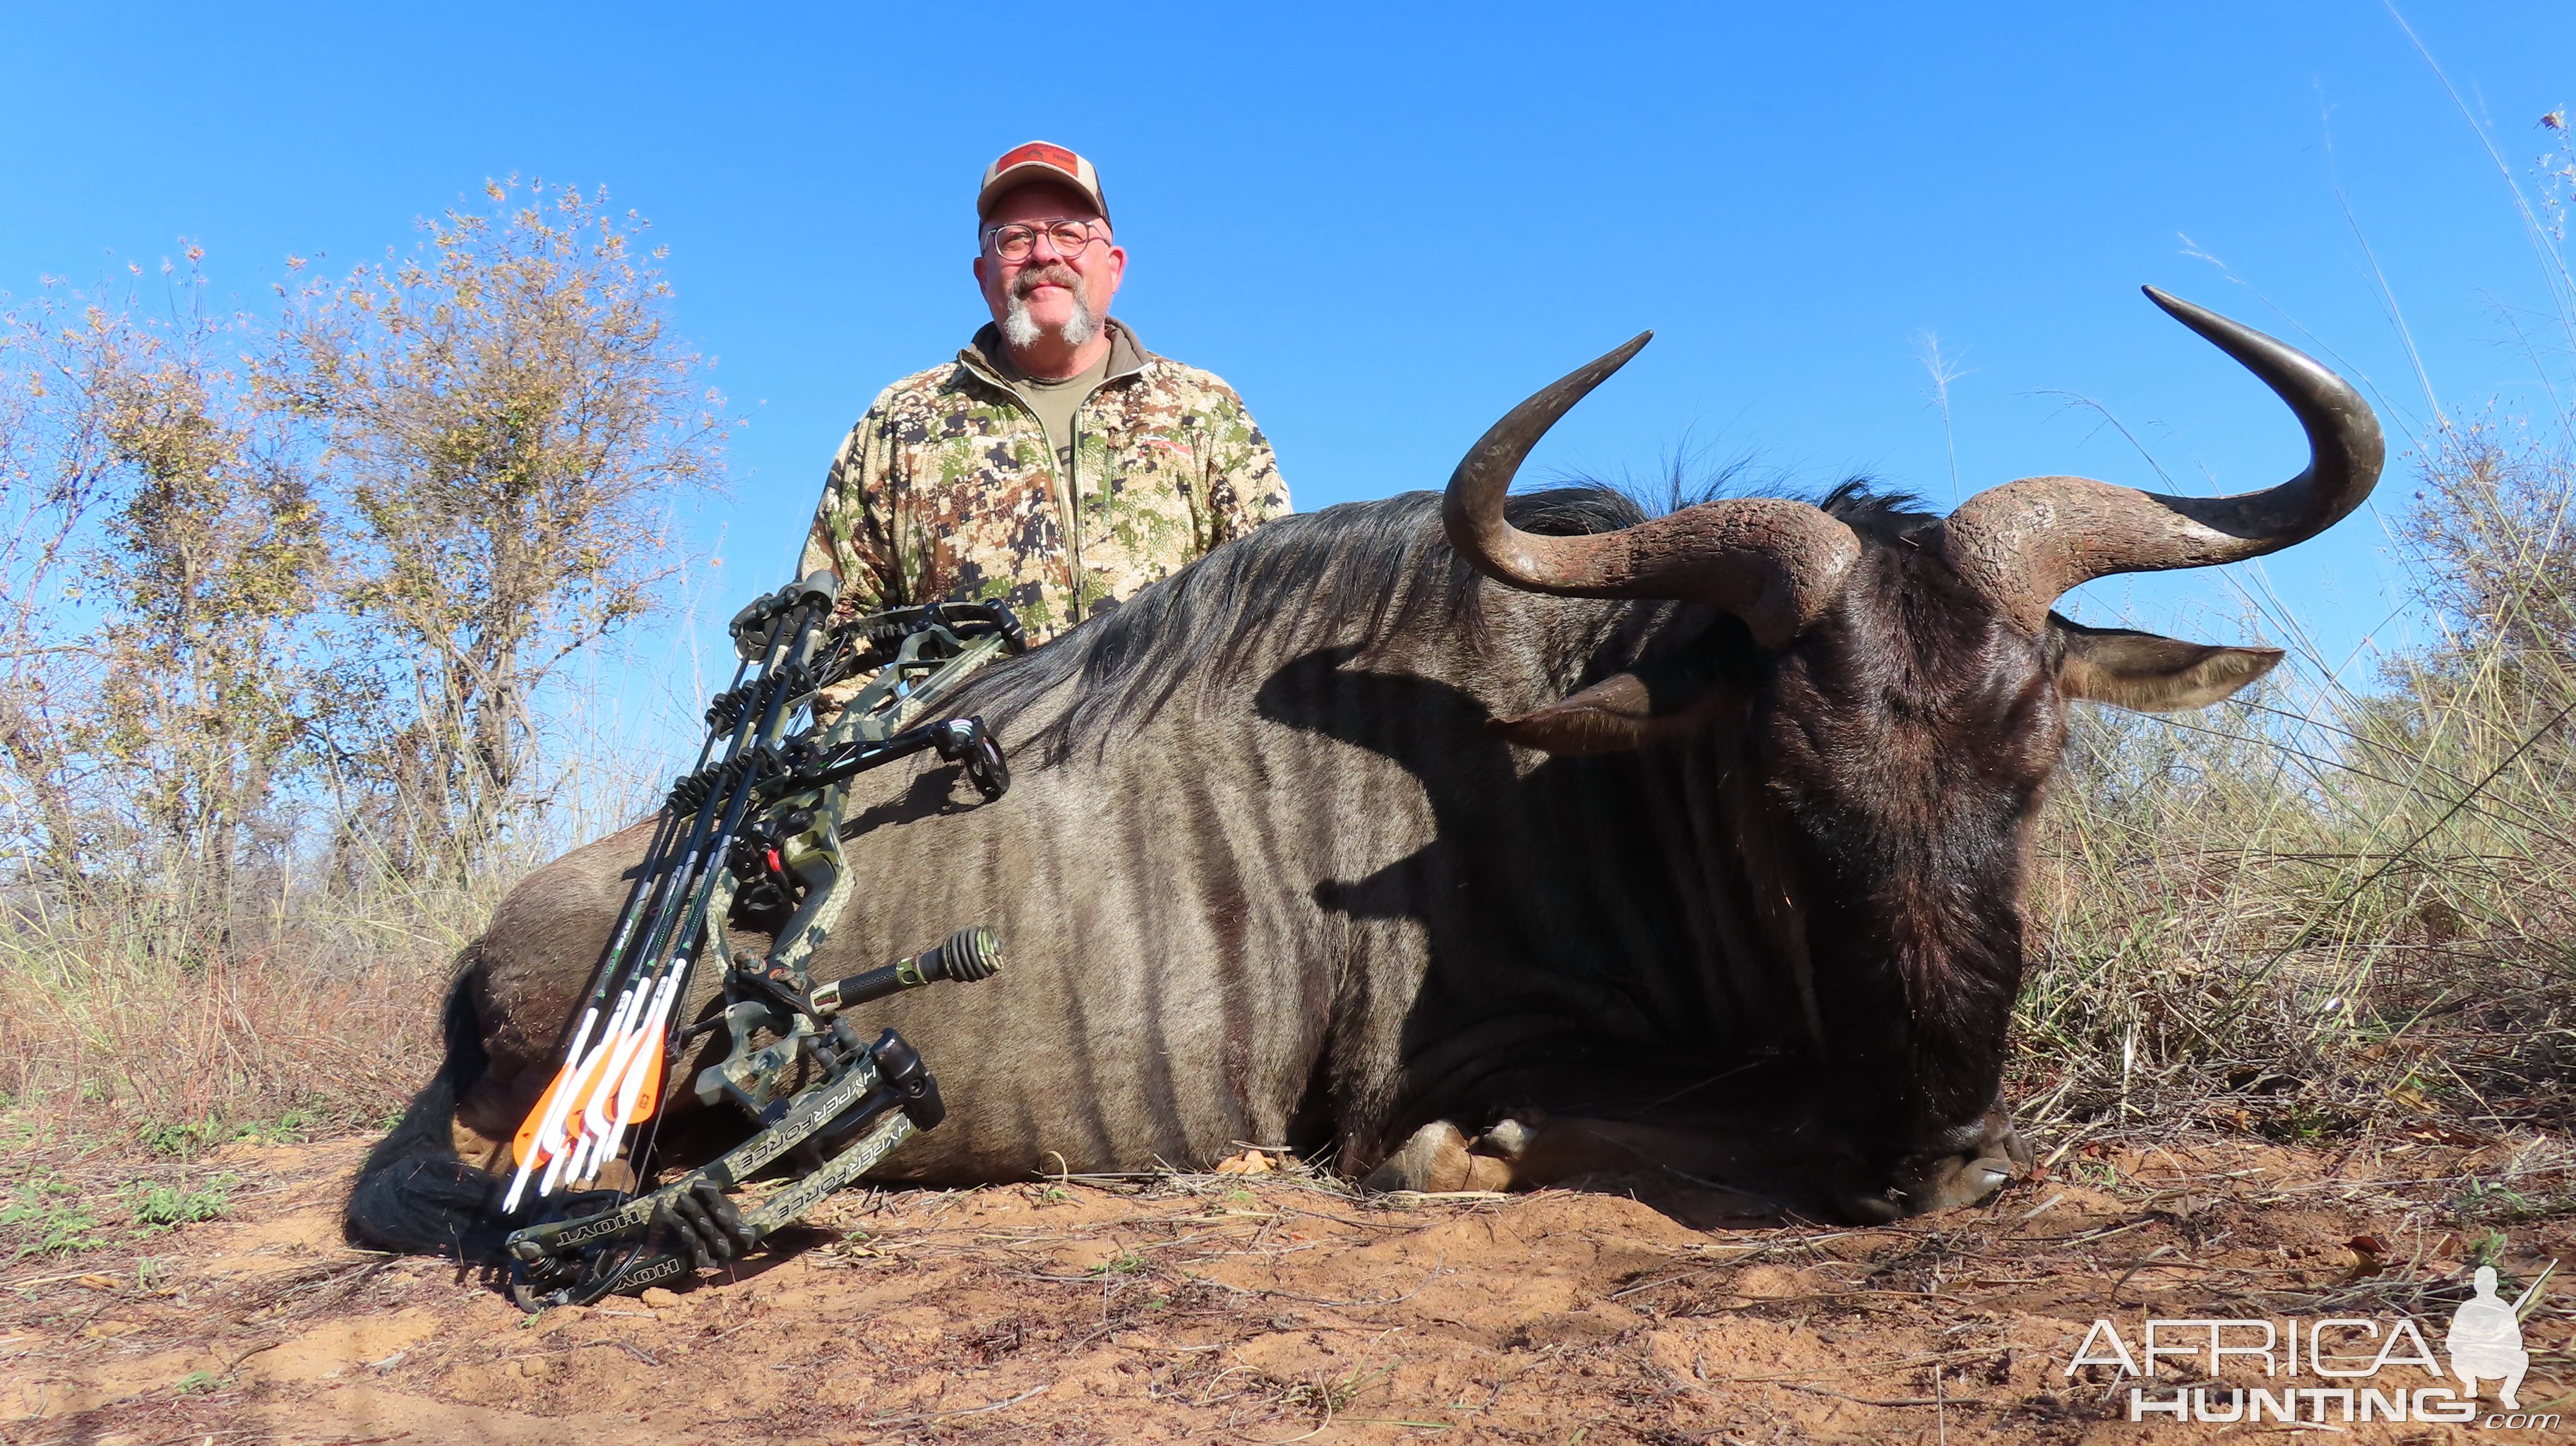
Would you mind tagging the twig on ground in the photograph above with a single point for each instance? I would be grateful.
(964, 1410)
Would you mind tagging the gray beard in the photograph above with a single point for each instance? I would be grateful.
(1021, 329)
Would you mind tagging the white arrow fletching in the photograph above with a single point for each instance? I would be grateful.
(632, 1086)
(554, 1114)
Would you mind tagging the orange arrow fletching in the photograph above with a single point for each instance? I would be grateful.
(525, 1148)
(529, 1146)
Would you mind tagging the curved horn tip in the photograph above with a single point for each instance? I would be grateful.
(2180, 310)
(2225, 333)
(1509, 440)
(2273, 360)
(1601, 367)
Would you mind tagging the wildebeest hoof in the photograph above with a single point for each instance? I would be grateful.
(1508, 1139)
(2017, 1149)
(1435, 1161)
(1984, 1159)
(1957, 1180)
(1917, 1187)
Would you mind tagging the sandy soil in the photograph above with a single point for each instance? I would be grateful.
(1268, 1308)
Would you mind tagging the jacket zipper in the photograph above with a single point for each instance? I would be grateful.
(1069, 502)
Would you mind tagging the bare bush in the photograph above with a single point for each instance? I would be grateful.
(507, 421)
(282, 609)
(208, 569)
(55, 479)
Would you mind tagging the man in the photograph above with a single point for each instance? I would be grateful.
(2485, 1341)
(1056, 465)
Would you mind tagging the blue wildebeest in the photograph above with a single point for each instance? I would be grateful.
(1690, 844)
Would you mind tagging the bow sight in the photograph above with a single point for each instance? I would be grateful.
(750, 838)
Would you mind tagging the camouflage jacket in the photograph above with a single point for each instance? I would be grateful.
(948, 489)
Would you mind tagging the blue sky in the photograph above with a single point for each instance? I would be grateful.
(1387, 224)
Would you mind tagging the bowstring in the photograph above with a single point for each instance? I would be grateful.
(650, 1138)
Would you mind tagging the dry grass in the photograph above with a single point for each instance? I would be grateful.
(2316, 908)
(327, 1022)
(154, 1010)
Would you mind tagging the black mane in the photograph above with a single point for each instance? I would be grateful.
(1880, 515)
(1356, 573)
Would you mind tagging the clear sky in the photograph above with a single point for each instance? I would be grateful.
(1386, 224)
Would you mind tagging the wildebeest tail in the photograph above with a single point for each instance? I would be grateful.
(415, 1193)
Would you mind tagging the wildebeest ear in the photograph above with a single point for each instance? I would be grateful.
(1625, 710)
(2147, 673)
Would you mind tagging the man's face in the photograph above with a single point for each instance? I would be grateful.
(1049, 293)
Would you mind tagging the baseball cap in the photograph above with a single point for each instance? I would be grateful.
(1039, 161)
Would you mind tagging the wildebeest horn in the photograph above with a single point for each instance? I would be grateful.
(1773, 563)
(2022, 544)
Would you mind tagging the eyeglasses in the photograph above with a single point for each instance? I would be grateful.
(1015, 242)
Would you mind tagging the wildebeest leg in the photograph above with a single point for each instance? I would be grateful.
(1560, 1151)
(1512, 1155)
(1516, 1156)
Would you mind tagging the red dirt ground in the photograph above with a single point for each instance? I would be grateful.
(1269, 1308)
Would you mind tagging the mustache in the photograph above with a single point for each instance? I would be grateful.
(1054, 273)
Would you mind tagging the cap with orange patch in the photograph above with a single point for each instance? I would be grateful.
(1039, 161)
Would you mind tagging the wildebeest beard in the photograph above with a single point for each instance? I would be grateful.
(1021, 329)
